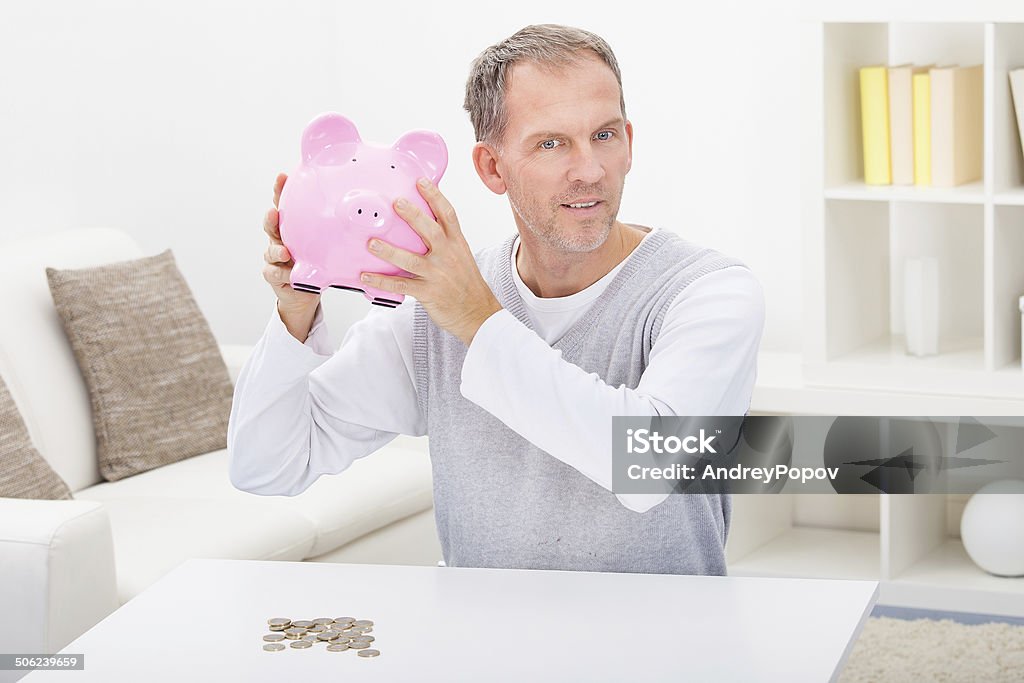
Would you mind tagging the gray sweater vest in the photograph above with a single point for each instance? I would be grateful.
(499, 501)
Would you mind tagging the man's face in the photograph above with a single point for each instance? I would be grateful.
(566, 143)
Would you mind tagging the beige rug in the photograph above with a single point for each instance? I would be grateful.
(905, 651)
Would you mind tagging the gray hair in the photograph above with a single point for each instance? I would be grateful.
(549, 46)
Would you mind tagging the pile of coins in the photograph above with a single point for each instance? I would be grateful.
(340, 634)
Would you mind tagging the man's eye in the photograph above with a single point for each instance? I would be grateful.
(544, 145)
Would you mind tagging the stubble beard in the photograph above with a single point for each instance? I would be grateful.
(562, 233)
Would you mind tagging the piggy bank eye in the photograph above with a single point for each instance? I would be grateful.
(353, 160)
(392, 165)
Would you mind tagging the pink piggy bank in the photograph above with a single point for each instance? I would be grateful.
(342, 194)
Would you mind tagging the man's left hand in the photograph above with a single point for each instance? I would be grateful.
(446, 280)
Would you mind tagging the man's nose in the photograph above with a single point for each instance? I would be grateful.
(585, 165)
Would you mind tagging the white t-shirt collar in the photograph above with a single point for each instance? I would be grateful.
(565, 303)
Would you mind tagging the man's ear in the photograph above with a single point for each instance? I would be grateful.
(629, 135)
(485, 161)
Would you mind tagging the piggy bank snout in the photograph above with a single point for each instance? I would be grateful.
(366, 210)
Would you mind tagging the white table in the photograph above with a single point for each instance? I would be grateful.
(206, 618)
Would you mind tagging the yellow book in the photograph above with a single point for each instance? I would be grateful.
(901, 122)
(922, 130)
(874, 114)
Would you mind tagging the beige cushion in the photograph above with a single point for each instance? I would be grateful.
(158, 386)
(23, 471)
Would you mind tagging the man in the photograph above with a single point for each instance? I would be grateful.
(515, 359)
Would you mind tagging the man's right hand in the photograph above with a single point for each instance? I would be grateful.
(296, 308)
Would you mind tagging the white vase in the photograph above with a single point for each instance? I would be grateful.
(992, 527)
(921, 305)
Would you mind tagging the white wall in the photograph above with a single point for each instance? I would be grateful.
(171, 120)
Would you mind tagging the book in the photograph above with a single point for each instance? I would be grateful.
(1017, 92)
(874, 115)
(956, 124)
(901, 121)
(922, 130)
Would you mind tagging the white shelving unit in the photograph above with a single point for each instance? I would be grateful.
(909, 543)
(856, 238)
(912, 548)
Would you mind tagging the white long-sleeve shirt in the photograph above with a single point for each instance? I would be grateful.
(301, 410)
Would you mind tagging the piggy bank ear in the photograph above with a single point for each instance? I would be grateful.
(329, 139)
(428, 149)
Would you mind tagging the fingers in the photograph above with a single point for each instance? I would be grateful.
(277, 275)
(391, 283)
(423, 225)
(278, 186)
(441, 207)
(277, 253)
(271, 226)
(278, 268)
(406, 260)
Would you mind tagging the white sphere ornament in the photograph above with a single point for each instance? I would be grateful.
(992, 528)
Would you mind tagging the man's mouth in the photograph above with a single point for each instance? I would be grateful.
(583, 207)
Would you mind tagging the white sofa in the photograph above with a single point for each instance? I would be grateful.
(65, 565)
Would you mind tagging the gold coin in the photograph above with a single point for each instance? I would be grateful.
(327, 635)
(344, 620)
(316, 628)
(293, 633)
(368, 639)
(301, 644)
(273, 647)
(342, 638)
(311, 637)
(369, 653)
(362, 622)
(278, 628)
(337, 647)
(280, 621)
(323, 621)
(273, 637)
(358, 644)
(302, 624)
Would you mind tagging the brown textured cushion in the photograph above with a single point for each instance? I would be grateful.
(23, 471)
(158, 385)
